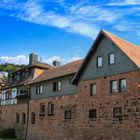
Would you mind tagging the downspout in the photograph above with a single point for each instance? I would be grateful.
(28, 108)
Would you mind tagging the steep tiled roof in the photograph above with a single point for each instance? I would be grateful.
(38, 64)
(30, 78)
(42, 65)
(131, 50)
(26, 81)
(56, 72)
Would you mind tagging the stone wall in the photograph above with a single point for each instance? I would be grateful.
(8, 118)
(80, 127)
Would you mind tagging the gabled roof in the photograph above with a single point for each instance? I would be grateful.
(67, 69)
(38, 65)
(16, 84)
(131, 50)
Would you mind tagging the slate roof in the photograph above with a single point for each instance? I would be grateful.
(131, 50)
(67, 69)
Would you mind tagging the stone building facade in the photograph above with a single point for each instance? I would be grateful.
(92, 99)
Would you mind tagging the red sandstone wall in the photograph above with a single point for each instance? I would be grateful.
(8, 118)
(80, 127)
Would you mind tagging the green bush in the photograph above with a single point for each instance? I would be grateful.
(7, 133)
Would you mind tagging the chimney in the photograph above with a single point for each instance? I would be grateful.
(56, 63)
(33, 58)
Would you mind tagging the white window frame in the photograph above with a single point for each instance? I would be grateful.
(111, 58)
(99, 61)
(93, 89)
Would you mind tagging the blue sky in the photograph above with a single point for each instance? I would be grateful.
(62, 29)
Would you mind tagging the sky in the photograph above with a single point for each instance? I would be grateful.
(62, 30)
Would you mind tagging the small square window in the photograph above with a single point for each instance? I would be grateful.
(122, 85)
(68, 114)
(93, 89)
(17, 118)
(32, 118)
(57, 86)
(99, 61)
(117, 113)
(23, 118)
(42, 108)
(70, 80)
(50, 109)
(113, 86)
(92, 114)
(111, 58)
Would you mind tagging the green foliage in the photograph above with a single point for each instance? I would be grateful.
(8, 133)
(10, 67)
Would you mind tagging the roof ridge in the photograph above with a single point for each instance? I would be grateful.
(121, 38)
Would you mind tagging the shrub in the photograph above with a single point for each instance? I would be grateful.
(8, 133)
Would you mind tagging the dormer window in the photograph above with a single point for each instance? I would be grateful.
(111, 58)
(99, 61)
(27, 73)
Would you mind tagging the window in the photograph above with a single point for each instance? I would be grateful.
(113, 86)
(111, 58)
(39, 89)
(10, 80)
(26, 74)
(122, 85)
(99, 61)
(23, 118)
(57, 86)
(70, 80)
(18, 77)
(92, 114)
(50, 109)
(14, 92)
(17, 118)
(93, 89)
(68, 114)
(32, 118)
(42, 108)
(117, 113)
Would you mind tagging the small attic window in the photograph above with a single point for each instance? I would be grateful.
(99, 61)
(111, 58)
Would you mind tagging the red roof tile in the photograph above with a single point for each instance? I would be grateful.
(56, 72)
(131, 50)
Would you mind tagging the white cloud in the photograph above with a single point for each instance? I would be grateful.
(94, 13)
(33, 12)
(19, 59)
(74, 59)
(83, 17)
(53, 58)
(125, 3)
(62, 60)
(22, 59)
